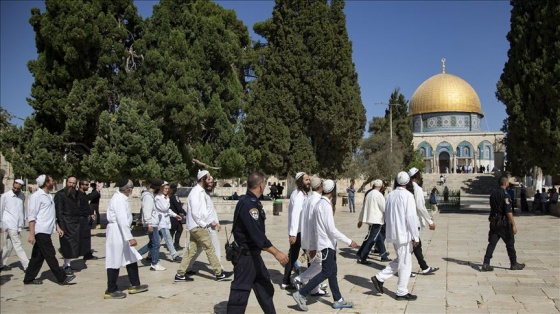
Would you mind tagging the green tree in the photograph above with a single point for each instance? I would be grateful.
(529, 87)
(130, 144)
(85, 49)
(306, 112)
(193, 79)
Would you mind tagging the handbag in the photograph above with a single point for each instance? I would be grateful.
(233, 250)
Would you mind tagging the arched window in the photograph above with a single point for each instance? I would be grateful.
(467, 152)
(487, 153)
(422, 152)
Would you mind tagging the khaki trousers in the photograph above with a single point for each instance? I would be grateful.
(200, 236)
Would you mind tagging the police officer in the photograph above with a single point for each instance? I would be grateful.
(502, 226)
(249, 233)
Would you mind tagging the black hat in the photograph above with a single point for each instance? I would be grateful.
(173, 186)
(156, 183)
(122, 182)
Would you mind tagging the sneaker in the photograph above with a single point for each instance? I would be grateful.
(342, 304)
(300, 301)
(518, 266)
(486, 267)
(183, 278)
(67, 280)
(137, 289)
(114, 295)
(68, 271)
(157, 267)
(298, 283)
(378, 285)
(363, 262)
(177, 259)
(320, 293)
(430, 270)
(33, 282)
(323, 286)
(287, 286)
(406, 297)
(222, 276)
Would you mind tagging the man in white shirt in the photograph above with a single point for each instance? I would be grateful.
(308, 230)
(297, 198)
(402, 230)
(372, 214)
(199, 219)
(151, 220)
(327, 235)
(42, 223)
(11, 219)
(424, 219)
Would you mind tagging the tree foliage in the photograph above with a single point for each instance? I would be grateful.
(306, 111)
(529, 87)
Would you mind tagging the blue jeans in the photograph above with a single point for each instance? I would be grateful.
(351, 204)
(328, 271)
(374, 236)
(152, 246)
(168, 241)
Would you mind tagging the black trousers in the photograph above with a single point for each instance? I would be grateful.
(43, 250)
(250, 273)
(509, 239)
(293, 255)
(420, 256)
(94, 207)
(113, 276)
(176, 231)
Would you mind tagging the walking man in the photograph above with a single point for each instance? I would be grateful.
(424, 218)
(297, 198)
(177, 207)
(327, 235)
(402, 230)
(199, 219)
(42, 223)
(151, 220)
(94, 198)
(85, 215)
(11, 223)
(372, 214)
(120, 244)
(502, 226)
(250, 271)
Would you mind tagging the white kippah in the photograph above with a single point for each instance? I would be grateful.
(328, 186)
(403, 178)
(41, 180)
(201, 173)
(377, 183)
(315, 182)
(412, 171)
(299, 175)
(19, 181)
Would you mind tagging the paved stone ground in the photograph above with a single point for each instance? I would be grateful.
(456, 246)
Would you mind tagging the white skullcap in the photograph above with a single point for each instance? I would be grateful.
(41, 180)
(377, 183)
(299, 175)
(403, 178)
(19, 181)
(315, 182)
(328, 186)
(201, 173)
(165, 183)
(412, 171)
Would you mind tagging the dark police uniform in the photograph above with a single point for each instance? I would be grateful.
(249, 271)
(500, 205)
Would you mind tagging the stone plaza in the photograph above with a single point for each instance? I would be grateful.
(457, 246)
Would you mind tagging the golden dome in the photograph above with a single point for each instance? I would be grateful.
(444, 92)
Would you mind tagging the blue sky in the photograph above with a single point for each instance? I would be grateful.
(395, 44)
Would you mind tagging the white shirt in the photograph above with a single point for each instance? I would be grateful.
(11, 210)
(401, 220)
(307, 225)
(423, 215)
(297, 198)
(373, 208)
(327, 234)
(41, 210)
(163, 211)
(211, 209)
(149, 214)
(118, 251)
(198, 214)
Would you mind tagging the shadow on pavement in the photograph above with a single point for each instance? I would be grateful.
(5, 278)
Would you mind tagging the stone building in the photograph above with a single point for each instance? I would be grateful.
(446, 114)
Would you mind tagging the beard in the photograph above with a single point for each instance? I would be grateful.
(70, 192)
(208, 187)
(307, 188)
